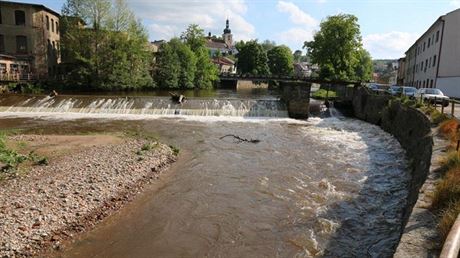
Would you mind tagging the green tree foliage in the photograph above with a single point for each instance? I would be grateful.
(337, 48)
(364, 67)
(267, 45)
(280, 60)
(252, 58)
(105, 45)
(185, 63)
(194, 37)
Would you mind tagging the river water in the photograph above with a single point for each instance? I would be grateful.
(333, 187)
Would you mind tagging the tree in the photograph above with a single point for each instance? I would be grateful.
(194, 37)
(280, 60)
(364, 67)
(252, 58)
(267, 45)
(186, 62)
(111, 52)
(206, 72)
(335, 47)
(168, 67)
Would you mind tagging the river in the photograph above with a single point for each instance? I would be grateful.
(333, 187)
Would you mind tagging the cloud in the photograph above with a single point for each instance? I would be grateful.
(304, 29)
(455, 3)
(297, 16)
(169, 18)
(389, 45)
(295, 37)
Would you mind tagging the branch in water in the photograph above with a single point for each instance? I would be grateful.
(239, 139)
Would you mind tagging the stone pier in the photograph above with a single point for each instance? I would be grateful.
(296, 95)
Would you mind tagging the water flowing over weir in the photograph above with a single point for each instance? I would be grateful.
(333, 187)
(160, 106)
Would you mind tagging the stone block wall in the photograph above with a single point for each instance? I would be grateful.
(409, 126)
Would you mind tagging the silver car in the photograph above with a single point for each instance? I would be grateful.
(432, 95)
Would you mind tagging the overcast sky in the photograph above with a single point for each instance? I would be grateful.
(388, 27)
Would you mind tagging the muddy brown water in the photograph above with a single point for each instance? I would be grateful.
(333, 187)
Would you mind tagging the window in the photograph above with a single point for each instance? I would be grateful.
(437, 36)
(0, 15)
(52, 25)
(423, 84)
(47, 23)
(431, 84)
(429, 63)
(2, 44)
(21, 44)
(426, 64)
(429, 42)
(20, 17)
(434, 61)
(57, 28)
(424, 46)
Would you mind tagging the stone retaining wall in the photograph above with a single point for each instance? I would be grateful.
(409, 126)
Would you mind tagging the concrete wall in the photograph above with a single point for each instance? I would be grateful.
(409, 126)
(450, 86)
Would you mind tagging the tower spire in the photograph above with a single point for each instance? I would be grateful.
(227, 27)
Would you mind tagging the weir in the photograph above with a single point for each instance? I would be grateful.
(161, 106)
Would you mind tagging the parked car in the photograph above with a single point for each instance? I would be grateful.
(379, 88)
(432, 95)
(395, 90)
(409, 91)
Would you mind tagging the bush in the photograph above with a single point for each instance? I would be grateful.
(322, 93)
(449, 128)
(438, 117)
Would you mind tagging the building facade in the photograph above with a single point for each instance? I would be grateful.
(433, 61)
(29, 40)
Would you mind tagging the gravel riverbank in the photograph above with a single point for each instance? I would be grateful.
(73, 193)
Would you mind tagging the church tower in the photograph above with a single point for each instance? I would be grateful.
(227, 36)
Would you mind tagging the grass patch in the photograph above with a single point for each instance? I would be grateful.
(9, 159)
(322, 93)
(451, 160)
(147, 147)
(175, 150)
(448, 217)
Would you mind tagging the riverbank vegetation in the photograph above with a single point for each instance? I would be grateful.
(446, 199)
(323, 94)
(11, 159)
(184, 62)
(338, 50)
(264, 58)
(104, 46)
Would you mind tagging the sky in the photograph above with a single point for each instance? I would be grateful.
(388, 27)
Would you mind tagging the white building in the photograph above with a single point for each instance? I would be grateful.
(434, 59)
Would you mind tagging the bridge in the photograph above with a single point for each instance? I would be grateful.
(295, 90)
(281, 78)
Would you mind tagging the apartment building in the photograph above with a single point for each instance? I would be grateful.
(433, 61)
(29, 40)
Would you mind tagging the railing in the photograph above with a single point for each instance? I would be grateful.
(16, 77)
(451, 246)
